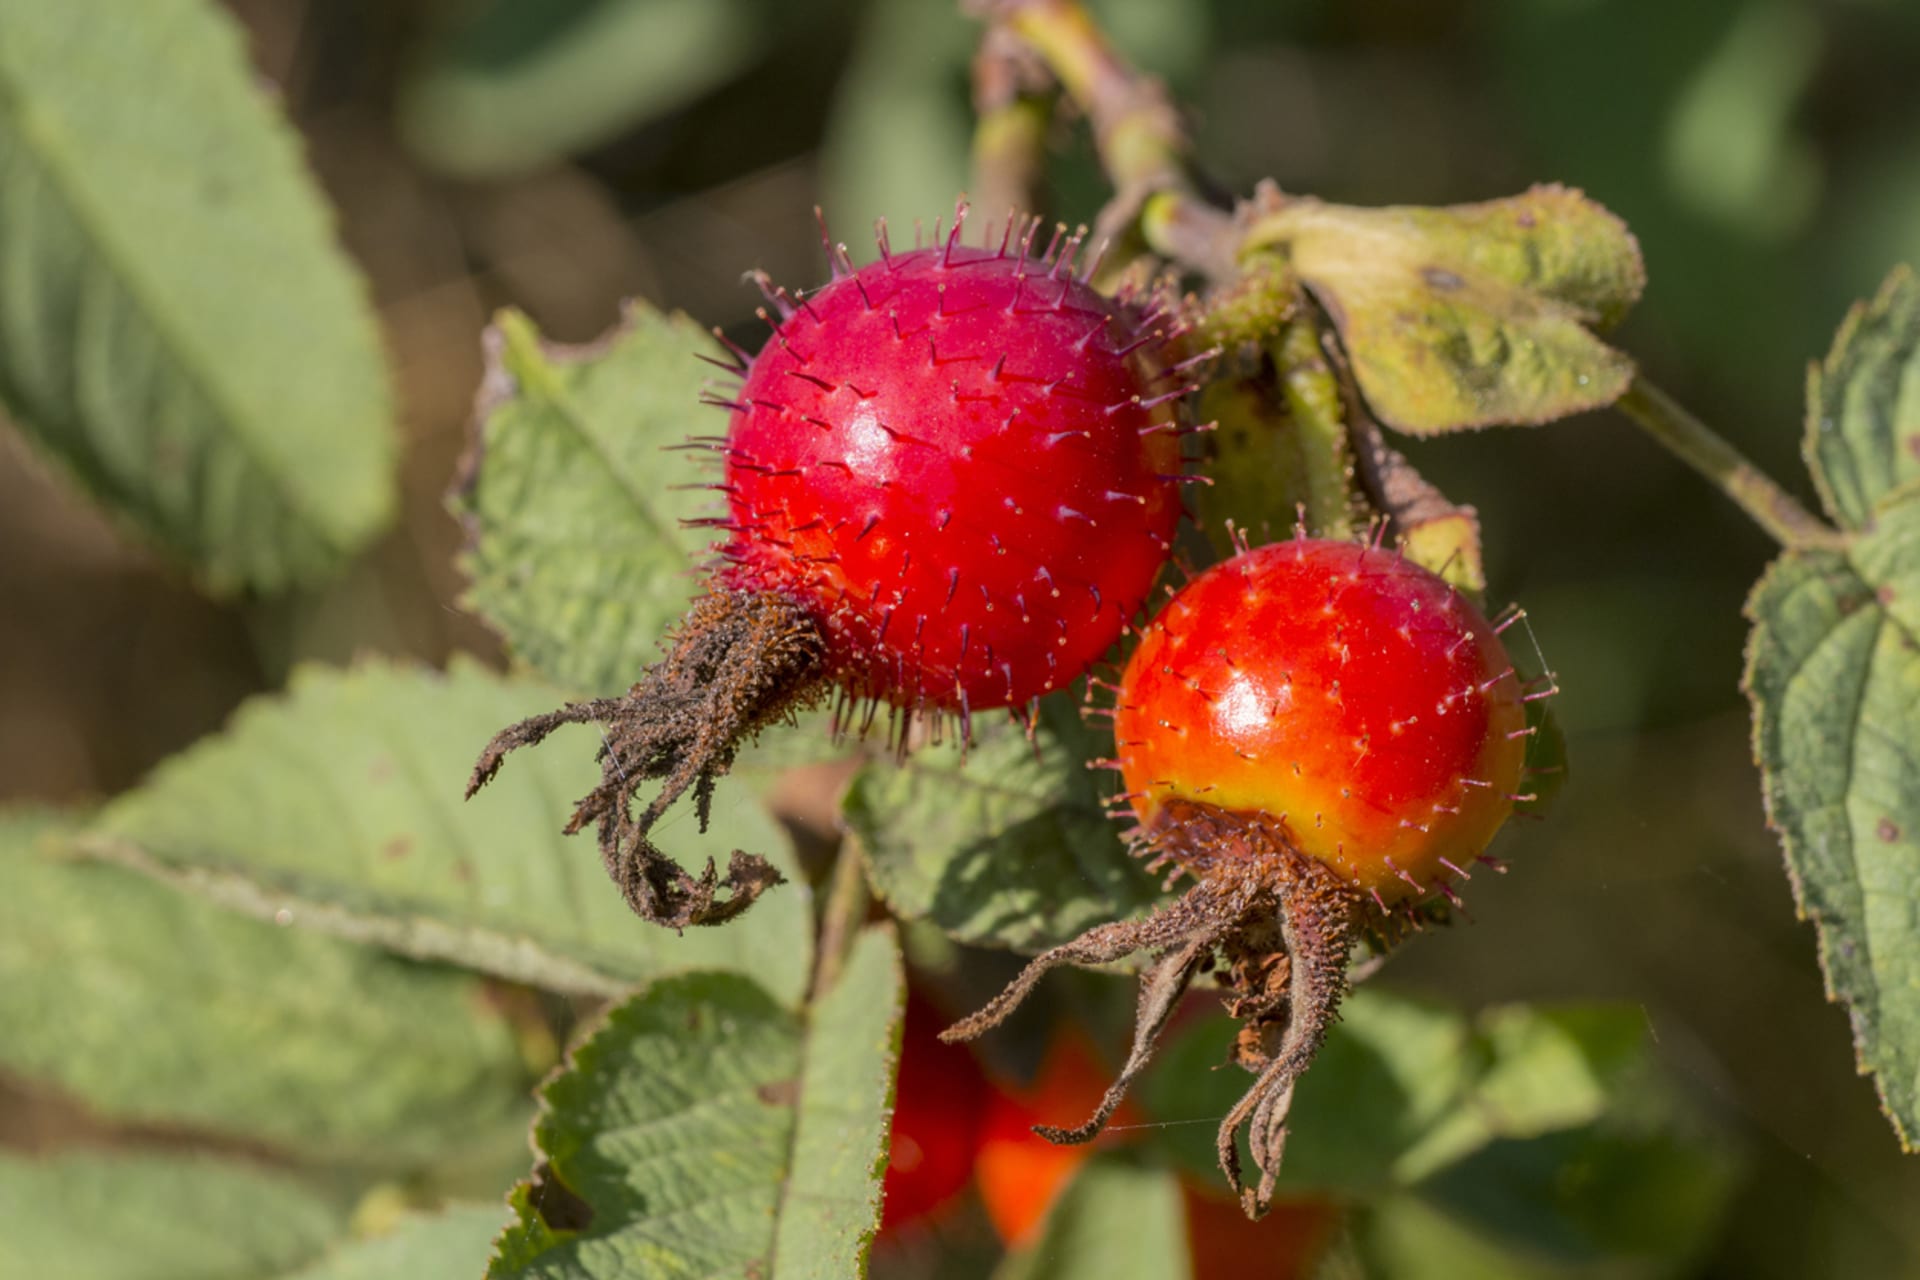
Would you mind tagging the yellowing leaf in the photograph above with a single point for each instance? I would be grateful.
(1470, 315)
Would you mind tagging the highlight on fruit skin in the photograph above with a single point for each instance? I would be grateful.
(950, 479)
(1324, 737)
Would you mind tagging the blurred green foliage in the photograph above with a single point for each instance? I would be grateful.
(558, 157)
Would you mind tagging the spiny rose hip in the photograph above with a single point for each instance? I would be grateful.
(1320, 734)
(953, 461)
(950, 479)
(1343, 691)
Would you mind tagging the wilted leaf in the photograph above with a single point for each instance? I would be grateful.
(1012, 850)
(1116, 1220)
(1470, 315)
(706, 1130)
(453, 1244)
(339, 805)
(1863, 404)
(156, 1217)
(1833, 672)
(509, 86)
(176, 324)
(150, 1006)
(576, 550)
(1404, 1088)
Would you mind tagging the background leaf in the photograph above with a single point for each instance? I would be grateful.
(1471, 315)
(176, 325)
(1404, 1088)
(1629, 1199)
(507, 87)
(124, 1216)
(704, 1130)
(1117, 1220)
(452, 1244)
(1012, 850)
(1833, 672)
(576, 552)
(339, 804)
(1863, 404)
(149, 1006)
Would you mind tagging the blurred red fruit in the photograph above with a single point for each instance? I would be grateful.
(1021, 1174)
(937, 1118)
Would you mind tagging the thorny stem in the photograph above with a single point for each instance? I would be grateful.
(848, 897)
(1694, 443)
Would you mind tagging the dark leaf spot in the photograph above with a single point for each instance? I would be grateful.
(381, 771)
(556, 1203)
(1440, 278)
(398, 847)
(779, 1093)
(1888, 830)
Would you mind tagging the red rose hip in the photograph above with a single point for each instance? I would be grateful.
(1341, 690)
(954, 463)
(1321, 734)
(950, 479)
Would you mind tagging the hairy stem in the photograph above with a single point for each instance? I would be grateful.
(1694, 443)
(1313, 403)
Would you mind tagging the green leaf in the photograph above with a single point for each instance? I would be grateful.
(706, 1130)
(1863, 404)
(453, 1244)
(337, 806)
(156, 1217)
(576, 550)
(1404, 1088)
(1404, 1238)
(176, 323)
(508, 87)
(1470, 315)
(1637, 1199)
(1012, 850)
(1833, 672)
(1116, 1220)
(149, 1006)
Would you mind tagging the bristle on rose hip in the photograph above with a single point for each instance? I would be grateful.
(950, 479)
(1324, 736)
